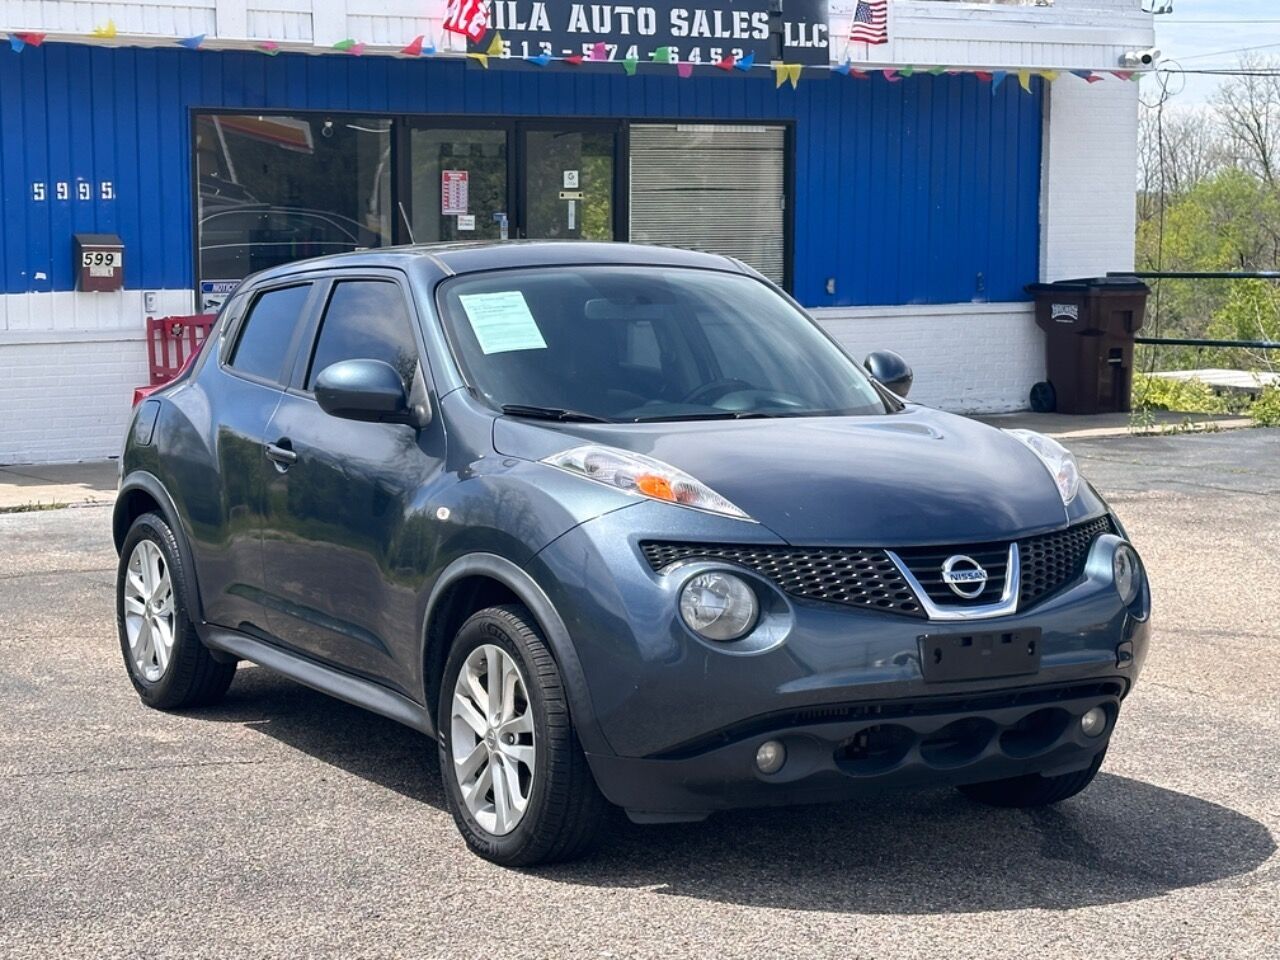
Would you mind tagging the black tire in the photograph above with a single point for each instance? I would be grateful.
(192, 676)
(566, 812)
(1033, 790)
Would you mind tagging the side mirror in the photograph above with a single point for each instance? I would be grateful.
(365, 390)
(890, 370)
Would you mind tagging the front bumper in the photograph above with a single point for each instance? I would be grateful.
(675, 720)
(838, 752)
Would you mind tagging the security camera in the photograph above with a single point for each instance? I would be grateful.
(1133, 59)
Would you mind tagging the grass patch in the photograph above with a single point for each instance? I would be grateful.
(1151, 394)
(34, 507)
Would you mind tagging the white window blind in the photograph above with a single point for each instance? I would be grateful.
(717, 188)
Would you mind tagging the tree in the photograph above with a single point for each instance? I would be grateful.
(1209, 200)
(1177, 149)
(1249, 108)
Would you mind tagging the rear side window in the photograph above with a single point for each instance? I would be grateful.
(366, 320)
(267, 331)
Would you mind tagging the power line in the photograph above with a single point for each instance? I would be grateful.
(1219, 22)
(1221, 71)
(1223, 53)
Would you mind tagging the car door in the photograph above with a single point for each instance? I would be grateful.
(341, 539)
(262, 330)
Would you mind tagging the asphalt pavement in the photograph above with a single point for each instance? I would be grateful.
(286, 824)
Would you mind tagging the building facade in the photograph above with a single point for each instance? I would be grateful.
(906, 192)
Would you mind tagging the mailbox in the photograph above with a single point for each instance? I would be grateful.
(99, 262)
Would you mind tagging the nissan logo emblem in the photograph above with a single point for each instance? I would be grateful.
(965, 576)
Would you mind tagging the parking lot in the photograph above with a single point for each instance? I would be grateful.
(284, 823)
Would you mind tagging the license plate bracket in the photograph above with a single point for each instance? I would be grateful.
(979, 655)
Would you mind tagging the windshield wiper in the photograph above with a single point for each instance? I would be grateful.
(720, 415)
(551, 413)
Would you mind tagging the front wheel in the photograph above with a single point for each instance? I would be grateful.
(515, 776)
(167, 663)
(1033, 790)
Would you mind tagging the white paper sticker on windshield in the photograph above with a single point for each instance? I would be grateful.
(502, 322)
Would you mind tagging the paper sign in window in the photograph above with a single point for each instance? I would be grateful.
(502, 322)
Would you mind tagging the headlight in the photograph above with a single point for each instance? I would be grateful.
(1057, 459)
(1127, 573)
(642, 476)
(718, 606)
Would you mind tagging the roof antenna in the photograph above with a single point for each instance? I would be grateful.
(407, 225)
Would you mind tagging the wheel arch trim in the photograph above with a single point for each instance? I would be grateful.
(149, 484)
(530, 593)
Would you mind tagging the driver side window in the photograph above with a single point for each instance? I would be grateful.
(367, 320)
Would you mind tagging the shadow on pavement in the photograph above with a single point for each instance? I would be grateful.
(1122, 840)
(357, 741)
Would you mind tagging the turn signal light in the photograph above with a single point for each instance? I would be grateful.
(657, 487)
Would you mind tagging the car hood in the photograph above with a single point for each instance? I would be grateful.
(918, 476)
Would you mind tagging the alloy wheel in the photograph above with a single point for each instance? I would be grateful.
(492, 742)
(149, 615)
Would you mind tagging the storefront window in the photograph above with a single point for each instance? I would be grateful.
(717, 188)
(274, 189)
(458, 182)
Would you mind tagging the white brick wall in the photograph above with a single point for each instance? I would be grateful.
(68, 366)
(1088, 179)
(967, 358)
(67, 400)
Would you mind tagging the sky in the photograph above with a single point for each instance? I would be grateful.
(1199, 32)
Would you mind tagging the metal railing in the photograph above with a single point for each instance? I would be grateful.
(1202, 275)
(1193, 342)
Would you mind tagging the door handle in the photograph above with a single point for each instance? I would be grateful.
(281, 453)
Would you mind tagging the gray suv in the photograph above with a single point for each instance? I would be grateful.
(620, 527)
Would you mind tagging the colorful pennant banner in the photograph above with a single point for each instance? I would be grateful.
(786, 72)
(598, 52)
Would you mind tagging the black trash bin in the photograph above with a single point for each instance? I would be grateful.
(1089, 327)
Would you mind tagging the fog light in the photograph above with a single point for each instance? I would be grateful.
(1093, 722)
(771, 756)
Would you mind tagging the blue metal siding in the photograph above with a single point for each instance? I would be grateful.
(924, 191)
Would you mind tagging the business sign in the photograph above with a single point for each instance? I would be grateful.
(454, 189)
(692, 32)
(214, 293)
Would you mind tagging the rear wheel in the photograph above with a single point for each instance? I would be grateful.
(515, 776)
(1033, 790)
(167, 663)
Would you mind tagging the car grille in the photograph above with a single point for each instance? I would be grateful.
(866, 577)
(926, 563)
(1054, 560)
(852, 576)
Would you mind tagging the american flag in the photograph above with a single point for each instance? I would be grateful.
(870, 22)
(467, 17)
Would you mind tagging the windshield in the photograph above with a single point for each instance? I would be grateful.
(646, 343)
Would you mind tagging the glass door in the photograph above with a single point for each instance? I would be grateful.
(568, 181)
(458, 184)
(505, 179)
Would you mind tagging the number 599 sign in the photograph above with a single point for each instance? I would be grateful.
(100, 261)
